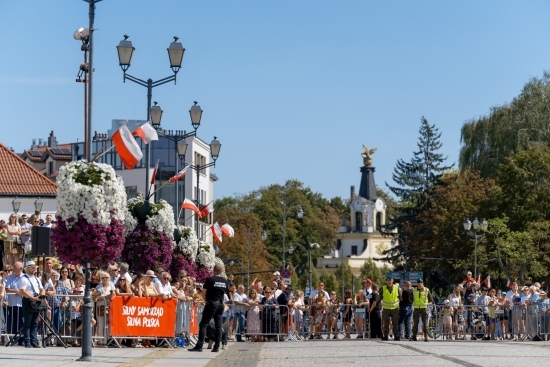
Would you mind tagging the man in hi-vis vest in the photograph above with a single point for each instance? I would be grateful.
(391, 293)
(421, 298)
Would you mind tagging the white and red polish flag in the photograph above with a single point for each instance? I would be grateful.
(146, 132)
(207, 209)
(487, 281)
(155, 173)
(188, 204)
(217, 232)
(180, 175)
(228, 230)
(126, 146)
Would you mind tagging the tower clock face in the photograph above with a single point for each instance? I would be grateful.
(358, 205)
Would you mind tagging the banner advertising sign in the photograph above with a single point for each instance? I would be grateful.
(142, 316)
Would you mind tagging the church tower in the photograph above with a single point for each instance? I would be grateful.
(362, 239)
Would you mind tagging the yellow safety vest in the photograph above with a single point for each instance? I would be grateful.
(390, 301)
(420, 298)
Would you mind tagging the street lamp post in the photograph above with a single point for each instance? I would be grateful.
(175, 53)
(38, 206)
(477, 225)
(309, 247)
(179, 139)
(16, 204)
(264, 238)
(215, 147)
(299, 214)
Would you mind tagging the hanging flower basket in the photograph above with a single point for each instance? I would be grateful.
(91, 212)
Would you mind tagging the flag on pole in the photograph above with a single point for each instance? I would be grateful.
(479, 279)
(217, 232)
(487, 281)
(126, 147)
(180, 175)
(258, 286)
(508, 283)
(207, 209)
(155, 173)
(228, 230)
(188, 204)
(146, 132)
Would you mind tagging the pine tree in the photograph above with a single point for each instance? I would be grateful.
(414, 181)
(415, 178)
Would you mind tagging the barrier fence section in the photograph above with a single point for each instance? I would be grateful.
(139, 320)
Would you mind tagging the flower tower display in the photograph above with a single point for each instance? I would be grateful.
(195, 256)
(91, 213)
(149, 235)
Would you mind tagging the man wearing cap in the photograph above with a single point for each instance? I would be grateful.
(391, 294)
(213, 292)
(31, 288)
(421, 298)
(405, 310)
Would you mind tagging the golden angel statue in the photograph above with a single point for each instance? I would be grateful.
(367, 155)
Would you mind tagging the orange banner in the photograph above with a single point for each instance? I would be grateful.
(193, 325)
(142, 316)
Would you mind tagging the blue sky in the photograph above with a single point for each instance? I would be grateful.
(292, 89)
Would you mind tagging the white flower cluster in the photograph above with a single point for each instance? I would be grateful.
(98, 197)
(189, 242)
(207, 255)
(163, 219)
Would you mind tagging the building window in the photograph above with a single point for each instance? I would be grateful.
(200, 160)
(358, 222)
(50, 168)
(354, 250)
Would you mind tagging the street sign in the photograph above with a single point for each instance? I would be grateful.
(412, 276)
(287, 281)
(285, 273)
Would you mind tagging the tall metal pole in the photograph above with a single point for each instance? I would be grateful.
(248, 267)
(475, 255)
(309, 265)
(176, 194)
(148, 146)
(342, 265)
(86, 353)
(197, 170)
(91, 13)
(284, 232)
(87, 319)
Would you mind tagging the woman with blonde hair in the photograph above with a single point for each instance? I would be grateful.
(102, 296)
(14, 231)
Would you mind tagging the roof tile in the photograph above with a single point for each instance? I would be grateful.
(23, 179)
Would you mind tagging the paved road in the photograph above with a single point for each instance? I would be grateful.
(301, 354)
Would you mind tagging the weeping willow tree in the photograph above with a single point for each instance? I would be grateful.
(523, 123)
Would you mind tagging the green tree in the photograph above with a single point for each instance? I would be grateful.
(487, 141)
(414, 180)
(369, 270)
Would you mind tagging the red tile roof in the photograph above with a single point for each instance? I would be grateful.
(20, 178)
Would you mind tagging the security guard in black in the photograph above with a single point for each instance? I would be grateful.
(213, 291)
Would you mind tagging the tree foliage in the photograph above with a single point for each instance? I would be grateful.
(487, 141)
(262, 210)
